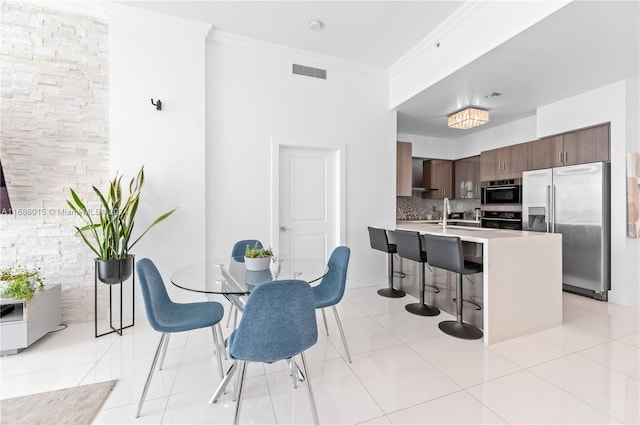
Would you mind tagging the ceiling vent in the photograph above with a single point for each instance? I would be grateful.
(307, 71)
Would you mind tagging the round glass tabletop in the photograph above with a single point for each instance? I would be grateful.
(228, 276)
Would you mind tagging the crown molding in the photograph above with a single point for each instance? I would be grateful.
(104, 10)
(223, 37)
(429, 42)
(120, 10)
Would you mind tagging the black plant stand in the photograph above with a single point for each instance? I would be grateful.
(133, 304)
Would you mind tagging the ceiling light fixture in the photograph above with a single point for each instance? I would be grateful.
(468, 118)
(316, 25)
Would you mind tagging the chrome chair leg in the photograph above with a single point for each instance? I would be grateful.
(219, 349)
(235, 318)
(243, 372)
(293, 368)
(153, 366)
(231, 309)
(312, 400)
(344, 340)
(214, 333)
(324, 317)
(238, 384)
(299, 373)
(223, 384)
(223, 342)
(164, 351)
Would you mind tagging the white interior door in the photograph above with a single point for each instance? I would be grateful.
(309, 200)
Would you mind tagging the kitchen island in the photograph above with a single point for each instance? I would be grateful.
(521, 281)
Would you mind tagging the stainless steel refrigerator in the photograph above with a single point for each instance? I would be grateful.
(574, 201)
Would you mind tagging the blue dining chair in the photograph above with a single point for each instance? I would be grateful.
(331, 288)
(168, 317)
(237, 253)
(278, 323)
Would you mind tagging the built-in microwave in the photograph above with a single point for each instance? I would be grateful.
(502, 192)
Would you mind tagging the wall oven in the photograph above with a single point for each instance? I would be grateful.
(502, 192)
(511, 220)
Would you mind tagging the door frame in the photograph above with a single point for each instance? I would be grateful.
(339, 151)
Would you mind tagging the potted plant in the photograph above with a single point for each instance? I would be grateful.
(20, 282)
(256, 258)
(108, 231)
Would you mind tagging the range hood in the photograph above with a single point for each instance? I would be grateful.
(417, 178)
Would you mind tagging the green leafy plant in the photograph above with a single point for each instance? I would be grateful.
(20, 282)
(108, 231)
(257, 252)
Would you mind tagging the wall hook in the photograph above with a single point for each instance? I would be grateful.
(157, 104)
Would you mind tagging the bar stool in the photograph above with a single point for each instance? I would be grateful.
(409, 245)
(445, 252)
(378, 239)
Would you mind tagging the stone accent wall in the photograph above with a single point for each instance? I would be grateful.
(54, 134)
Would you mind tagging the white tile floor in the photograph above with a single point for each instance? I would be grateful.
(404, 370)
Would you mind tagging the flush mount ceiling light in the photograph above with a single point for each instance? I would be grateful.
(468, 118)
(316, 25)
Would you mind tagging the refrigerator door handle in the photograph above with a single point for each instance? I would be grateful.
(553, 208)
(548, 217)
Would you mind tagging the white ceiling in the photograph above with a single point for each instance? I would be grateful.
(585, 45)
(370, 32)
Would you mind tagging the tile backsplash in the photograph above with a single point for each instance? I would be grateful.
(416, 208)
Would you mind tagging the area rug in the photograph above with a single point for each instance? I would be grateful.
(76, 405)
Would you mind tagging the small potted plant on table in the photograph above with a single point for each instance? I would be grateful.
(256, 258)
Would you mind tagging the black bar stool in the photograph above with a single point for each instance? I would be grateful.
(409, 245)
(378, 239)
(445, 252)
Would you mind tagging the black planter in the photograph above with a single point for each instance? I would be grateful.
(114, 271)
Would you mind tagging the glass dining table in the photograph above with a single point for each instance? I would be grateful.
(229, 277)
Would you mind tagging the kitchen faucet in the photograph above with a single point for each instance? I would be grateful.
(445, 213)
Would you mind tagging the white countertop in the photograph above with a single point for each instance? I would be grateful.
(466, 233)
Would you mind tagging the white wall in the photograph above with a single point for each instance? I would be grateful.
(153, 56)
(429, 147)
(520, 131)
(616, 103)
(252, 99)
